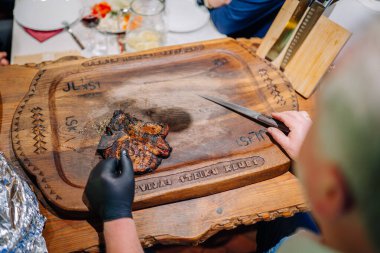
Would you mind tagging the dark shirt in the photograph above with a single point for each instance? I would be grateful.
(6, 9)
(246, 18)
(6, 20)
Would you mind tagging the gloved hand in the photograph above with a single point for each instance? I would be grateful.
(110, 188)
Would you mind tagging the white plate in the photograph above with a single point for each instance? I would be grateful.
(185, 15)
(46, 15)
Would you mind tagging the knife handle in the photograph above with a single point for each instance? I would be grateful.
(274, 123)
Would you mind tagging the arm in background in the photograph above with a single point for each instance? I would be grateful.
(245, 18)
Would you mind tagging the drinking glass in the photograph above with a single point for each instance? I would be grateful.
(146, 26)
(96, 43)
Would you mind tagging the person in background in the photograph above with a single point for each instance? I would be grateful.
(243, 18)
(3, 59)
(6, 20)
(338, 164)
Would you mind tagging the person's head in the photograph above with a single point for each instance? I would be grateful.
(340, 159)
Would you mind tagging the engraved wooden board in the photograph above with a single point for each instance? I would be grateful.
(55, 129)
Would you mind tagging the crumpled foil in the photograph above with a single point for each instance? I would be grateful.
(21, 222)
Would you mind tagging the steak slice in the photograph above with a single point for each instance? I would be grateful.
(144, 141)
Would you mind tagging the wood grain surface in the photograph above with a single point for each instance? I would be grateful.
(202, 217)
(58, 124)
(315, 56)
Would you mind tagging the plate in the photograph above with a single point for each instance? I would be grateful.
(45, 15)
(111, 20)
(185, 15)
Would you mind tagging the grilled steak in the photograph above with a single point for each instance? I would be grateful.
(144, 141)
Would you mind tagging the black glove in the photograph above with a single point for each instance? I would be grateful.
(110, 188)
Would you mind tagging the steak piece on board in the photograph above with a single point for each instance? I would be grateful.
(144, 141)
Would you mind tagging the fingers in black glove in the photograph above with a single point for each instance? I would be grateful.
(110, 188)
(126, 165)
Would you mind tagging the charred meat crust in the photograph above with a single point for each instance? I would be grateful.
(144, 141)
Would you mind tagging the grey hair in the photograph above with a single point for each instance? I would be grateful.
(349, 126)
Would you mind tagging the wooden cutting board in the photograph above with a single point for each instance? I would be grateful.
(56, 127)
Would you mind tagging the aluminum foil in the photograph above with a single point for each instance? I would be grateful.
(21, 222)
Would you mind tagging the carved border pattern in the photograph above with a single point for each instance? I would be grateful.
(229, 224)
(127, 58)
(272, 87)
(25, 162)
(38, 130)
(281, 74)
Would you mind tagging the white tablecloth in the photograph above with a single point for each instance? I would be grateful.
(24, 44)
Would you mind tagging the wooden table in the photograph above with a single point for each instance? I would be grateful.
(191, 221)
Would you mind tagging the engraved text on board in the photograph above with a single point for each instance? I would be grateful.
(197, 175)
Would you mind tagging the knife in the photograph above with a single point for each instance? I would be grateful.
(314, 12)
(286, 34)
(267, 120)
(68, 29)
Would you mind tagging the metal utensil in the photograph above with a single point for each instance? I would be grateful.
(267, 120)
(314, 12)
(286, 34)
(70, 31)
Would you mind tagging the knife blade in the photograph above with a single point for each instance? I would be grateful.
(286, 34)
(267, 120)
(313, 14)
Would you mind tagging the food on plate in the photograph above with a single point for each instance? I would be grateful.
(101, 9)
(113, 17)
(144, 141)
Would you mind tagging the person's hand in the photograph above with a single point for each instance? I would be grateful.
(216, 3)
(110, 188)
(299, 124)
(3, 59)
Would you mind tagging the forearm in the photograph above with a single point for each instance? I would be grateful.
(121, 236)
